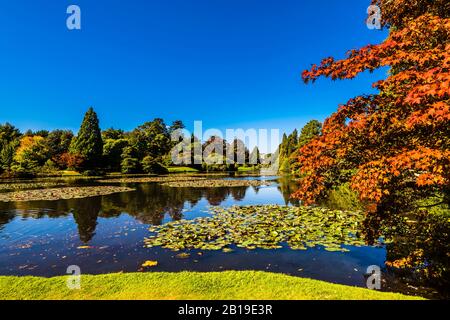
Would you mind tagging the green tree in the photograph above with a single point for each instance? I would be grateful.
(255, 156)
(151, 139)
(287, 147)
(311, 130)
(176, 125)
(151, 165)
(88, 143)
(58, 143)
(112, 153)
(114, 134)
(239, 154)
(31, 155)
(9, 141)
(9, 133)
(7, 151)
(130, 162)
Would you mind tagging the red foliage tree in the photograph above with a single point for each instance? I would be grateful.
(70, 161)
(393, 147)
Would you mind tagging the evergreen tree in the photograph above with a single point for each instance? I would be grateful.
(151, 165)
(312, 129)
(255, 157)
(89, 143)
(8, 133)
(130, 162)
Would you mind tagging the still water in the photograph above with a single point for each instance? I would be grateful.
(105, 234)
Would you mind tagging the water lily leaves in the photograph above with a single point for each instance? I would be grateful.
(149, 263)
(61, 193)
(160, 179)
(216, 183)
(264, 227)
(183, 255)
(30, 185)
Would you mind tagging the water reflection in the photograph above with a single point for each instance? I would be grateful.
(423, 246)
(287, 186)
(149, 204)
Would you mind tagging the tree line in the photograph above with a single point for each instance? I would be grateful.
(146, 149)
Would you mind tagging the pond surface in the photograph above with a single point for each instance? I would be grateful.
(105, 234)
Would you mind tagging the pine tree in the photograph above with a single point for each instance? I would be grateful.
(89, 143)
(312, 129)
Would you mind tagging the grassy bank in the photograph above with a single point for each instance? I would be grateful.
(182, 170)
(231, 285)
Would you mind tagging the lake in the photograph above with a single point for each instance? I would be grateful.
(106, 234)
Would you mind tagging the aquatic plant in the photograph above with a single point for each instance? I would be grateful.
(29, 185)
(160, 179)
(266, 227)
(216, 183)
(60, 193)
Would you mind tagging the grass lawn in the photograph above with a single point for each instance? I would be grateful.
(247, 169)
(229, 285)
(181, 169)
(69, 173)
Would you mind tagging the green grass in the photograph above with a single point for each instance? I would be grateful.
(69, 173)
(230, 285)
(247, 169)
(181, 169)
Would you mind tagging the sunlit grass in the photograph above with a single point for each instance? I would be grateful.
(230, 285)
(181, 169)
(248, 169)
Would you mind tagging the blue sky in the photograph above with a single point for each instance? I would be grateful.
(229, 63)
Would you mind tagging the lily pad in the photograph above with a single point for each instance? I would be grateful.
(216, 183)
(150, 263)
(60, 193)
(160, 179)
(264, 227)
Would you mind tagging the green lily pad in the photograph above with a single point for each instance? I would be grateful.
(264, 227)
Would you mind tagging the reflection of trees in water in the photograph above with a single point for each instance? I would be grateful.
(5, 218)
(287, 186)
(238, 194)
(85, 214)
(149, 204)
(419, 248)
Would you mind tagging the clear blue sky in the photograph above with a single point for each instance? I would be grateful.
(229, 63)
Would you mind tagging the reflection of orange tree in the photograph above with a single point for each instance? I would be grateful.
(420, 248)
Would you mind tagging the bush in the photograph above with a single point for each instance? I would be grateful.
(93, 173)
(130, 162)
(151, 165)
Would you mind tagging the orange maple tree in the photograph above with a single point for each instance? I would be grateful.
(393, 147)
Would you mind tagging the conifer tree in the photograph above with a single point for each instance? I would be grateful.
(88, 143)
